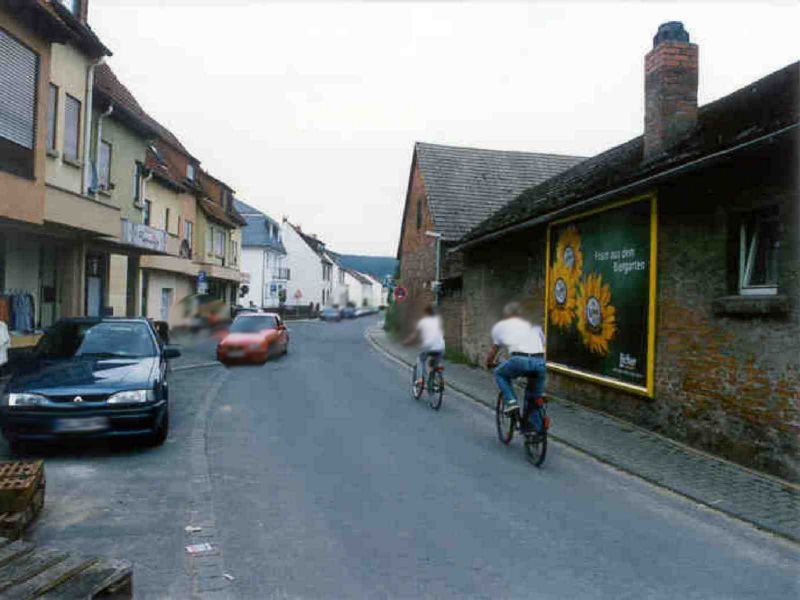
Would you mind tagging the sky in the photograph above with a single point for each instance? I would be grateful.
(310, 110)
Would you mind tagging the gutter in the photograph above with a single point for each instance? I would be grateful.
(651, 179)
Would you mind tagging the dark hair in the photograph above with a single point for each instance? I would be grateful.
(430, 310)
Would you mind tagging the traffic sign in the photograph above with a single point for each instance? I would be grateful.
(400, 293)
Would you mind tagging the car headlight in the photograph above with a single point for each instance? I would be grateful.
(132, 397)
(24, 400)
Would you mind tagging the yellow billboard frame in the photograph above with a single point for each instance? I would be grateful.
(648, 390)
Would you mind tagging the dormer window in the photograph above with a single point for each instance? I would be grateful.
(190, 172)
(72, 6)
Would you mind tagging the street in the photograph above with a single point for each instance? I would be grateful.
(316, 475)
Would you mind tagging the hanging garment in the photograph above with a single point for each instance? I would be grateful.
(5, 309)
(5, 342)
(21, 312)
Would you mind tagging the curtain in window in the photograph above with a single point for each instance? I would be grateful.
(72, 125)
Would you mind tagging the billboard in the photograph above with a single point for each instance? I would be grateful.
(600, 301)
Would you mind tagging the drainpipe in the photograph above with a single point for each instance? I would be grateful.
(87, 128)
(108, 111)
(147, 178)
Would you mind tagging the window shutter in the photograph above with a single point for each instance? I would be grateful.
(18, 71)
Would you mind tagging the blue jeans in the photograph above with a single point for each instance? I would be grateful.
(519, 366)
(422, 371)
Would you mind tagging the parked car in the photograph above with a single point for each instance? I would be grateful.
(254, 337)
(348, 312)
(90, 378)
(330, 314)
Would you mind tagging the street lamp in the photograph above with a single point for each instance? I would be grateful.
(438, 237)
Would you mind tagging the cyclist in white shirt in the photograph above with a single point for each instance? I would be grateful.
(525, 345)
(430, 334)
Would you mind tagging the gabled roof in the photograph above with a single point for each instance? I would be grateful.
(126, 107)
(758, 109)
(360, 277)
(316, 245)
(466, 185)
(83, 35)
(256, 232)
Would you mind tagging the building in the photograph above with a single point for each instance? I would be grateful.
(359, 289)
(451, 190)
(667, 269)
(311, 269)
(55, 236)
(263, 259)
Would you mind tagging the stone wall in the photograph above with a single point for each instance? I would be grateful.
(724, 382)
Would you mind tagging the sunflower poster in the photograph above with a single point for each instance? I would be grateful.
(600, 288)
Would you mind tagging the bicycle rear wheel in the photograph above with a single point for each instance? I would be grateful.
(536, 448)
(505, 423)
(416, 388)
(436, 390)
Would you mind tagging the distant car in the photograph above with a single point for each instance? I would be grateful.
(254, 337)
(90, 378)
(330, 314)
(348, 312)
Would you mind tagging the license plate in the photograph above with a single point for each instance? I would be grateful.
(87, 425)
(236, 354)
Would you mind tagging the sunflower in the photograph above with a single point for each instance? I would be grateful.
(568, 252)
(597, 322)
(561, 301)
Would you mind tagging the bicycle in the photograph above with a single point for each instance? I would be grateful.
(535, 441)
(434, 383)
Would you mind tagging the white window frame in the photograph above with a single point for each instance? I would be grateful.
(747, 257)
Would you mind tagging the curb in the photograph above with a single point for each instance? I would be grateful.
(604, 460)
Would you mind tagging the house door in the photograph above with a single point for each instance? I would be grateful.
(94, 285)
(166, 302)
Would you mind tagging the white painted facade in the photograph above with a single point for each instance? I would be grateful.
(263, 265)
(306, 283)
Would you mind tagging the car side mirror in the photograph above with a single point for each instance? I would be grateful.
(172, 352)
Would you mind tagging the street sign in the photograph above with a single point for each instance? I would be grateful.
(400, 293)
(202, 283)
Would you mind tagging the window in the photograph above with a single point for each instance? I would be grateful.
(72, 128)
(72, 6)
(166, 220)
(52, 116)
(759, 244)
(104, 165)
(419, 213)
(19, 70)
(137, 187)
(219, 243)
(188, 233)
(148, 208)
(190, 172)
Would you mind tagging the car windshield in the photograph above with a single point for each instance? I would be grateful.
(103, 339)
(253, 324)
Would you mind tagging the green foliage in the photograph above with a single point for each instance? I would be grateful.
(459, 358)
(391, 318)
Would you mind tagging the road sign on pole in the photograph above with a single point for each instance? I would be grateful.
(400, 293)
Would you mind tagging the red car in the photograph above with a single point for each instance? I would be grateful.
(254, 337)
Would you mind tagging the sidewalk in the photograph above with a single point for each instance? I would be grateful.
(766, 502)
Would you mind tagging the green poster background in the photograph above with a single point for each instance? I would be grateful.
(612, 341)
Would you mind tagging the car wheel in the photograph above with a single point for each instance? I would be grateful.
(159, 436)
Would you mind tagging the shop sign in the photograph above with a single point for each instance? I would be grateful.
(143, 236)
(601, 295)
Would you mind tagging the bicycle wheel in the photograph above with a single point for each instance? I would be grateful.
(505, 423)
(536, 446)
(436, 390)
(416, 388)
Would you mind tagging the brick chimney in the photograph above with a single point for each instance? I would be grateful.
(670, 89)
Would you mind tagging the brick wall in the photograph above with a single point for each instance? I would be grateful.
(726, 384)
(417, 252)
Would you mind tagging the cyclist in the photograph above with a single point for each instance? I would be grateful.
(525, 345)
(431, 337)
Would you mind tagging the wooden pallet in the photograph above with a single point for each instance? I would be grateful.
(27, 572)
(22, 488)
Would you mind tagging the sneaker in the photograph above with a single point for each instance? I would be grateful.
(511, 408)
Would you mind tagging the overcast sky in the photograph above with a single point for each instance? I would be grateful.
(310, 110)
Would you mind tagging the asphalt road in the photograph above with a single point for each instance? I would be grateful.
(326, 480)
